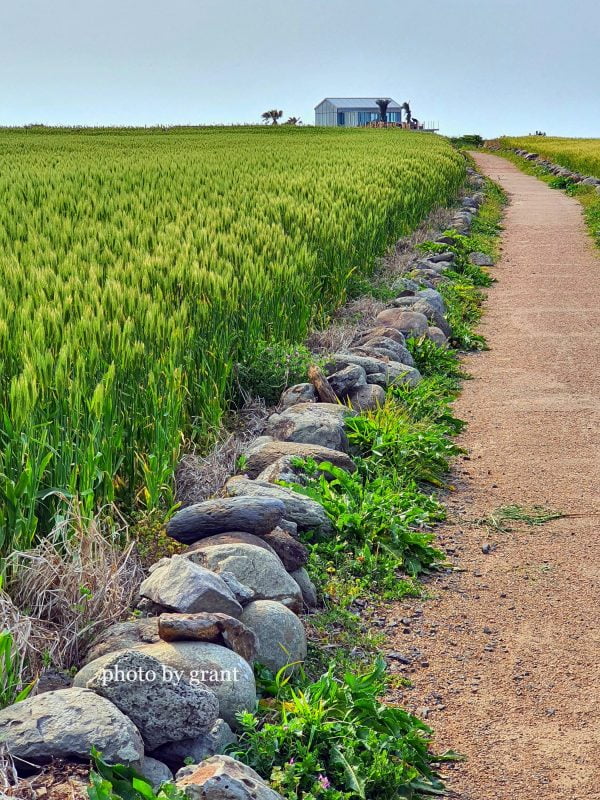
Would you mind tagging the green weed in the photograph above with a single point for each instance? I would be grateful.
(333, 739)
(534, 516)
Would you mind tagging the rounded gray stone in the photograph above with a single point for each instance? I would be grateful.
(281, 635)
(217, 668)
(66, 724)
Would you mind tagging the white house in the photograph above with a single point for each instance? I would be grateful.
(352, 112)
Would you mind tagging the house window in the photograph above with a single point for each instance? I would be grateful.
(341, 118)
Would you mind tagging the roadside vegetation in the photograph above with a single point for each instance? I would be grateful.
(582, 155)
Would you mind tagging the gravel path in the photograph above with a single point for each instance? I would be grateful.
(510, 648)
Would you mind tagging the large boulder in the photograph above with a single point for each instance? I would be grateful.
(309, 592)
(252, 514)
(216, 628)
(195, 750)
(223, 778)
(66, 724)
(292, 553)
(409, 323)
(312, 423)
(300, 393)
(164, 708)
(217, 668)
(123, 636)
(281, 635)
(265, 451)
(256, 568)
(306, 513)
(179, 584)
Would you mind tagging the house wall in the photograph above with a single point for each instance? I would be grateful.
(330, 116)
(325, 114)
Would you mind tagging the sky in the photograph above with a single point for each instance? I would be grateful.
(474, 66)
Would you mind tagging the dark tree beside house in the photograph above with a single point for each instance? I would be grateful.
(383, 104)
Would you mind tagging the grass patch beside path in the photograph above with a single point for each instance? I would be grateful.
(587, 195)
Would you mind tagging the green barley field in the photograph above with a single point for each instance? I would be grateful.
(137, 265)
(582, 155)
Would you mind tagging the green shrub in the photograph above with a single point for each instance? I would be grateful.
(269, 367)
(335, 740)
(391, 443)
(429, 401)
(432, 359)
(374, 515)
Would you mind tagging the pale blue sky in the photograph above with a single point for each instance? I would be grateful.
(485, 66)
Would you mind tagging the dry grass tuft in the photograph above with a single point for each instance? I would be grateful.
(199, 477)
(80, 579)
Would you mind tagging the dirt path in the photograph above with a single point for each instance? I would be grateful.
(510, 648)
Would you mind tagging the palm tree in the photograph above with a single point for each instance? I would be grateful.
(383, 104)
(273, 116)
(406, 109)
(293, 121)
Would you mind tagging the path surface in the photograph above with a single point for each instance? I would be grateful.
(511, 646)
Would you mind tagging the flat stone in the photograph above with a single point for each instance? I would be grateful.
(306, 513)
(397, 352)
(233, 537)
(163, 708)
(281, 635)
(66, 724)
(252, 514)
(262, 455)
(217, 628)
(447, 256)
(379, 331)
(481, 259)
(181, 585)
(409, 323)
(217, 668)
(123, 635)
(311, 423)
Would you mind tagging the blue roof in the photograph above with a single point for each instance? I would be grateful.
(358, 102)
